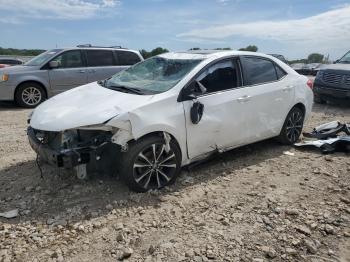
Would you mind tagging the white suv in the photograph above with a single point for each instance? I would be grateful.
(168, 111)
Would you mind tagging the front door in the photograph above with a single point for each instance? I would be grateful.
(222, 124)
(71, 72)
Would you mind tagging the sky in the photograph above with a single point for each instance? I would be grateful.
(294, 28)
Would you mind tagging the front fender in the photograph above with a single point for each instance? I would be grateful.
(44, 81)
(139, 123)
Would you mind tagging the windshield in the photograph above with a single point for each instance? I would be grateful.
(43, 57)
(345, 59)
(154, 75)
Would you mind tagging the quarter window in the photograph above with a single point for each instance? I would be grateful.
(221, 76)
(258, 70)
(127, 58)
(99, 58)
(280, 72)
(69, 59)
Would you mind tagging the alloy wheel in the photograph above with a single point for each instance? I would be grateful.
(294, 125)
(155, 166)
(31, 96)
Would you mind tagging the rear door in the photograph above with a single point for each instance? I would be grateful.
(101, 64)
(71, 71)
(269, 95)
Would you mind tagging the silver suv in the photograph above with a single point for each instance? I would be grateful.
(59, 70)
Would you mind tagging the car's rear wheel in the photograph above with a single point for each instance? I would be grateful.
(150, 164)
(30, 95)
(292, 126)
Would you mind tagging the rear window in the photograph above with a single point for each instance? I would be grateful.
(100, 58)
(127, 58)
(258, 70)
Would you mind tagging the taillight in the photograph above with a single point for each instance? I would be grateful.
(310, 83)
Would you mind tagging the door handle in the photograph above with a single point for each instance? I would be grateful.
(81, 71)
(243, 99)
(92, 71)
(287, 88)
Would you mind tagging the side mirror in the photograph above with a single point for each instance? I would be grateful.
(336, 61)
(193, 90)
(196, 112)
(53, 64)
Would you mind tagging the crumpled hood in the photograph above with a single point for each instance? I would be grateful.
(90, 104)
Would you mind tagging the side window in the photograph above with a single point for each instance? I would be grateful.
(69, 59)
(220, 76)
(258, 70)
(99, 58)
(127, 58)
(280, 72)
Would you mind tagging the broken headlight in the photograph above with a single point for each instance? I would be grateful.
(69, 138)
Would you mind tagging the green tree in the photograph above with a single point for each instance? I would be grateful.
(20, 52)
(223, 48)
(315, 58)
(154, 52)
(145, 54)
(251, 48)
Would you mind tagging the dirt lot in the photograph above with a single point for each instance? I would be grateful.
(251, 204)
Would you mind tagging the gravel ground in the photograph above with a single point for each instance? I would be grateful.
(251, 204)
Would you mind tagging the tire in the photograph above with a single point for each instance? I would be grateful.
(292, 127)
(29, 95)
(142, 171)
(318, 100)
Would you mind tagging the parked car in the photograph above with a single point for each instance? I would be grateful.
(307, 69)
(280, 57)
(333, 81)
(58, 70)
(5, 62)
(311, 69)
(299, 68)
(168, 111)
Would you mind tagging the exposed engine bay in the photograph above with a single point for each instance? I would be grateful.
(87, 151)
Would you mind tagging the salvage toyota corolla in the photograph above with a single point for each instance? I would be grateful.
(168, 111)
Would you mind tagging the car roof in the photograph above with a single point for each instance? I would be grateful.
(208, 54)
(97, 48)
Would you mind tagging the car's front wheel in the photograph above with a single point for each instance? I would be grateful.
(150, 163)
(30, 95)
(292, 126)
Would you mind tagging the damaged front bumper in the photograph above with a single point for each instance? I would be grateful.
(68, 157)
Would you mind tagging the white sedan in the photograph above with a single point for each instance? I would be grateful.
(168, 111)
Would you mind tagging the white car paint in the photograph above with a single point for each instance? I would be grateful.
(231, 118)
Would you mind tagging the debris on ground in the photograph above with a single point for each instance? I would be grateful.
(9, 214)
(331, 137)
(288, 153)
(253, 203)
